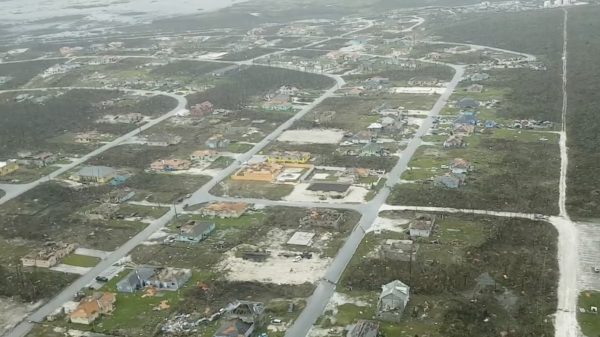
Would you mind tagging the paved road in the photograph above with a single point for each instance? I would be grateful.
(14, 190)
(326, 287)
(459, 210)
(528, 57)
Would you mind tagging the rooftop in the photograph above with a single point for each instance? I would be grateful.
(301, 239)
(96, 171)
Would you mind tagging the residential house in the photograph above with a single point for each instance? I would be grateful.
(160, 278)
(362, 137)
(92, 307)
(422, 225)
(170, 165)
(104, 211)
(162, 140)
(241, 319)
(376, 83)
(267, 172)
(355, 91)
(372, 149)
(278, 103)
(454, 141)
(463, 130)
(225, 209)
(130, 118)
(204, 155)
(448, 180)
(467, 117)
(330, 190)
(202, 109)
(88, 137)
(288, 90)
(423, 81)
(95, 174)
(475, 88)
(375, 127)
(41, 159)
(490, 124)
(301, 239)
(322, 218)
(467, 103)
(478, 77)
(398, 250)
(364, 328)
(194, 232)
(49, 255)
(387, 122)
(217, 141)
(392, 301)
(8, 167)
(289, 157)
(460, 166)
(120, 195)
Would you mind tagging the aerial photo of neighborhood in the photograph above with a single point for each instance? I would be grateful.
(299, 168)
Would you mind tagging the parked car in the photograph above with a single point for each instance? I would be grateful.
(101, 279)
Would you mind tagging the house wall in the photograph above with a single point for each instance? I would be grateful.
(8, 169)
(84, 320)
(420, 232)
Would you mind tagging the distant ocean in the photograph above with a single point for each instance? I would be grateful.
(125, 11)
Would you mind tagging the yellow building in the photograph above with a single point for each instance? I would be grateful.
(258, 172)
(8, 167)
(289, 157)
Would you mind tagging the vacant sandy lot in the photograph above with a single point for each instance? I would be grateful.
(386, 224)
(356, 194)
(313, 136)
(277, 269)
(11, 313)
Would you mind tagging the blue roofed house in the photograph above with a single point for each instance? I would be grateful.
(468, 117)
(135, 280)
(194, 232)
(490, 124)
(448, 181)
(161, 278)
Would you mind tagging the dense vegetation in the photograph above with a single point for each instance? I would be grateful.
(187, 68)
(583, 125)
(534, 32)
(445, 271)
(21, 73)
(533, 94)
(29, 124)
(33, 284)
(239, 88)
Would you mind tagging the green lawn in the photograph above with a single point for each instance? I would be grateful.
(253, 189)
(589, 322)
(81, 260)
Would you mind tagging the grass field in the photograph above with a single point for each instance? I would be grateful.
(589, 321)
(80, 260)
(252, 189)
